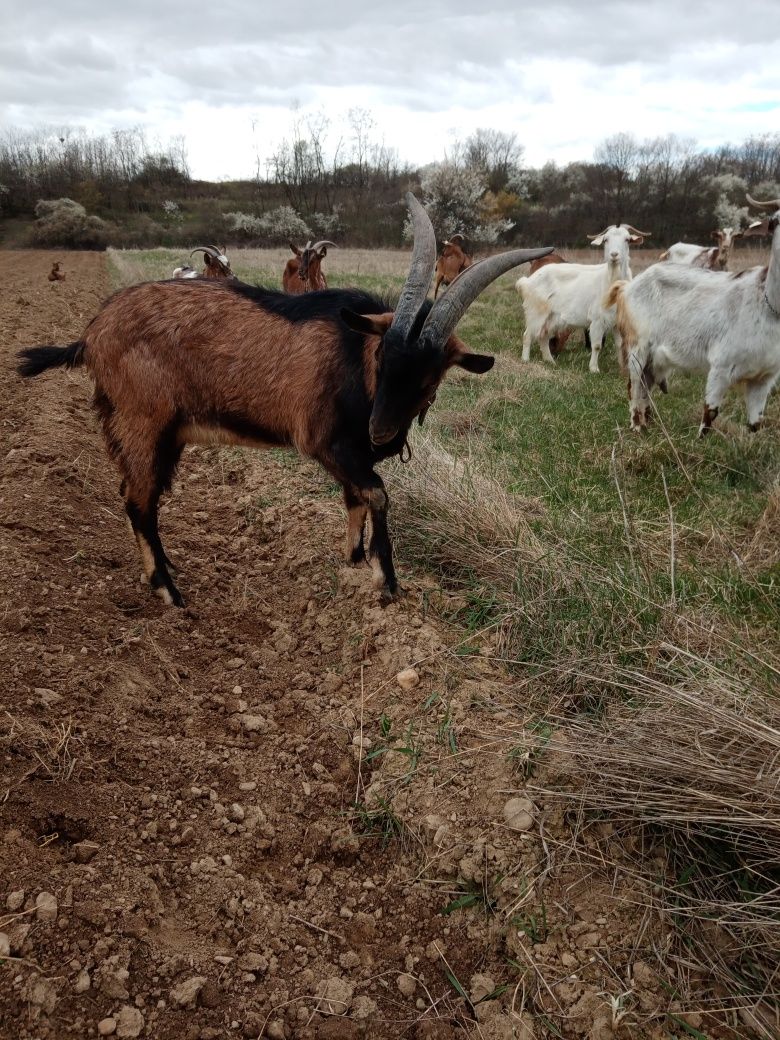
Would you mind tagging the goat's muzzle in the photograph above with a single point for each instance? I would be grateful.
(379, 437)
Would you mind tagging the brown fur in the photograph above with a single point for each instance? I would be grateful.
(56, 275)
(192, 362)
(452, 260)
(543, 261)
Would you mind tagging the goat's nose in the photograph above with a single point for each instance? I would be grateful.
(614, 255)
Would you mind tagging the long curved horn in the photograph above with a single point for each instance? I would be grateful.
(601, 233)
(642, 234)
(421, 268)
(449, 309)
(771, 204)
(318, 245)
(205, 249)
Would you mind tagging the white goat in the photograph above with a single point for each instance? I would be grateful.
(727, 325)
(712, 258)
(567, 296)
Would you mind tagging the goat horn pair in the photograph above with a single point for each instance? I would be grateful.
(770, 204)
(206, 249)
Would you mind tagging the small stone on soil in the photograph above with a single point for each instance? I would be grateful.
(186, 993)
(407, 985)
(46, 907)
(408, 678)
(106, 1026)
(15, 900)
(130, 1022)
(518, 814)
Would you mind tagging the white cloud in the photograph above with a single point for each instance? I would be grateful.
(562, 75)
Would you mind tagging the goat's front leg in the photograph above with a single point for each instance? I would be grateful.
(357, 510)
(380, 547)
(596, 340)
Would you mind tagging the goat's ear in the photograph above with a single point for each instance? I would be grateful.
(635, 240)
(477, 363)
(295, 249)
(597, 241)
(368, 324)
(209, 260)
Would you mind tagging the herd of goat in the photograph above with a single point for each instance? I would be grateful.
(339, 376)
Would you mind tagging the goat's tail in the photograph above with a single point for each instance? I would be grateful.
(35, 360)
(623, 322)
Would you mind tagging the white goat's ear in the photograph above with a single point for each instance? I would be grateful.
(636, 240)
(597, 241)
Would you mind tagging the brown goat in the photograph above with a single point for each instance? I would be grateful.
(56, 275)
(304, 272)
(334, 374)
(217, 264)
(452, 260)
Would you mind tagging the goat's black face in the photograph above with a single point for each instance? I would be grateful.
(408, 373)
(407, 380)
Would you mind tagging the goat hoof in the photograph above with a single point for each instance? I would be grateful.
(388, 595)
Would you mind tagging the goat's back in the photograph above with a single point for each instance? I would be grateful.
(205, 350)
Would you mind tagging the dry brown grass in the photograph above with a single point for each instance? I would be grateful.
(694, 766)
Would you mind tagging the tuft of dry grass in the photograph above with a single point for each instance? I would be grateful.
(691, 768)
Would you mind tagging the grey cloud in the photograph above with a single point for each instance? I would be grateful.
(87, 58)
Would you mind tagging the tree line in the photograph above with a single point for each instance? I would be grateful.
(123, 190)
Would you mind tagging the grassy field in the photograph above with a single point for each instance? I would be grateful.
(631, 583)
(662, 522)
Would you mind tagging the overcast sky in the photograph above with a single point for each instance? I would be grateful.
(562, 74)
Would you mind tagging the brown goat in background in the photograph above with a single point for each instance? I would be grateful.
(303, 273)
(452, 260)
(335, 374)
(56, 275)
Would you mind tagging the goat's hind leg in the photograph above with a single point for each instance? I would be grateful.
(718, 382)
(756, 394)
(143, 519)
(146, 478)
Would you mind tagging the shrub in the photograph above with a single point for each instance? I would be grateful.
(63, 222)
(277, 225)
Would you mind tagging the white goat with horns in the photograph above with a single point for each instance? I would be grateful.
(727, 325)
(713, 258)
(571, 296)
